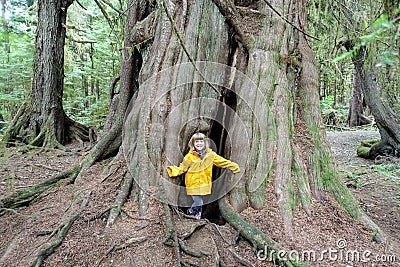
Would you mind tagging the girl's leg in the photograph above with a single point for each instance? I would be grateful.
(196, 207)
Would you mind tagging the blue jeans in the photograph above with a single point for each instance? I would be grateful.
(197, 204)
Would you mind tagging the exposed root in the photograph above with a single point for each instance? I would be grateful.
(116, 163)
(219, 232)
(370, 149)
(47, 136)
(14, 129)
(259, 240)
(191, 252)
(99, 215)
(172, 236)
(62, 232)
(240, 259)
(194, 228)
(24, 196)
(379, 235)
(345, 198)
(218, 245)
(119, 201)
(122, 245)
(77, 131)
(217, 257)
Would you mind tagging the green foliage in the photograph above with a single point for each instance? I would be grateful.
(335, 23)
(91, 61)
(379, 33)
(327, 103)
(16, 39)
(391, 170)
(333, 114)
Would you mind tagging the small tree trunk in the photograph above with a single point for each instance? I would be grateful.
(386, 119)
(355, 116)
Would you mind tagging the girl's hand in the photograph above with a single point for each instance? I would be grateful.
(170, 171)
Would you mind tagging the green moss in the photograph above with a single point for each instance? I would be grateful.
(257, 198)
(327, 168)
(344, 197)
(294, 198)
(363, 150)
(10, 178)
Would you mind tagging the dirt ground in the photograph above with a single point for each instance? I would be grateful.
(327, 238)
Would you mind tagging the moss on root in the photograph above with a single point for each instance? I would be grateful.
(364, 149)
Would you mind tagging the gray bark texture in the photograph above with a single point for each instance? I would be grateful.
(48, 82)
(248, 79)
(385, 116)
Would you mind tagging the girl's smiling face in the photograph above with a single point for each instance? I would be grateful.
(199, 144)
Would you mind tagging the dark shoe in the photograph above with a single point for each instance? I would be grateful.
(190, 212)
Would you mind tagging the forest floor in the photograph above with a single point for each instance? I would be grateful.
(328, 238)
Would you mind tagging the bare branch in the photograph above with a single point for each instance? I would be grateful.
(108, 19)
(112, 7)
(287, 21)
(182, 43)
(79, 3)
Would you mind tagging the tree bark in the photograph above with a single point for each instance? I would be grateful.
(48, 82)
(270, 122)
(386, 119)
(355, 116)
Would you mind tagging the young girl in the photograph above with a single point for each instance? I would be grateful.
(198, 165)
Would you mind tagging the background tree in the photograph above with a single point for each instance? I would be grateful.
(92, 59)
(373, 69)
(43, 121)
(351, 27)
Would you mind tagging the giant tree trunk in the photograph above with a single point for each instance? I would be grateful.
(43, 120)
(248, 79)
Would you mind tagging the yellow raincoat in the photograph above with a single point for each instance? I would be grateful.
(198, 177)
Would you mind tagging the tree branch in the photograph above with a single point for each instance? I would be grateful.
(108, 19)
(62, 232)
(182, 43)
(287, 21)
(112, 7)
